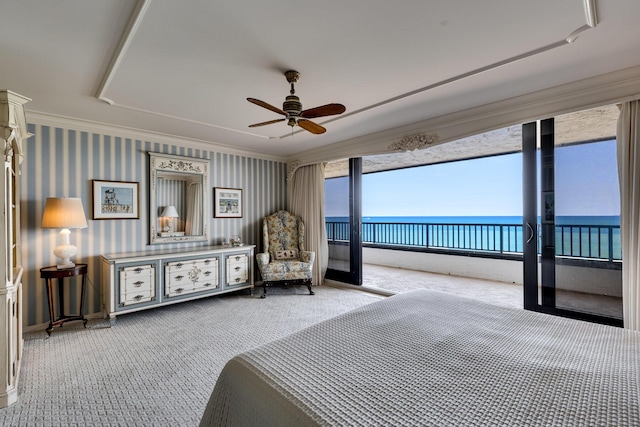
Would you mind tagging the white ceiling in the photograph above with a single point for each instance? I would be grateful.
(185, 68)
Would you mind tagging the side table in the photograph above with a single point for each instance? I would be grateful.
(50, 273)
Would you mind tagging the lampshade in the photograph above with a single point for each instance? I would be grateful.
(63, 212)
(170, 211)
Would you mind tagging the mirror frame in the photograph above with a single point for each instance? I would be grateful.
(159, 162)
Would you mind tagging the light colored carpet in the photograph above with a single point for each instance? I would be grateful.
(157, 367)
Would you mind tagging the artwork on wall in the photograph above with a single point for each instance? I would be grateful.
(116, 200)
(227, 202)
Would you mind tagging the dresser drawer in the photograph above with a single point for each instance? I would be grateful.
(137, 284)
(137, 297)
(208, 278)
(237, 269)
(185, 266)
(183, 277)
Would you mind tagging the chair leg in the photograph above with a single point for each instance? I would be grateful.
(308, 284)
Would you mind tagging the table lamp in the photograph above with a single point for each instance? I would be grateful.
(64, 213)
(169, 212)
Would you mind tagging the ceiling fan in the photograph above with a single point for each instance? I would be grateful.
(293, 112)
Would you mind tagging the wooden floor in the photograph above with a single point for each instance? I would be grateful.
(397, 280)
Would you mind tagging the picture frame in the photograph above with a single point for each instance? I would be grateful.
(116, 199)
(227, 202)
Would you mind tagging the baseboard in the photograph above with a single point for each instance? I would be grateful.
(44, 326)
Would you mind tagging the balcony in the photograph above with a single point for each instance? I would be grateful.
(484, 261)
(581, 242)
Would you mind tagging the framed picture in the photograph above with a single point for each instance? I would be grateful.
(227, 202)
(116, 200)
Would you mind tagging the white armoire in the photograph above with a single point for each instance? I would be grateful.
(13, 131)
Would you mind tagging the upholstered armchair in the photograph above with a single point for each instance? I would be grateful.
(284, 259)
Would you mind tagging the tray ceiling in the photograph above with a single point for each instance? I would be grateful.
(186, 68)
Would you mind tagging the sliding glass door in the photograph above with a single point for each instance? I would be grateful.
(343, 215)
(572, 259)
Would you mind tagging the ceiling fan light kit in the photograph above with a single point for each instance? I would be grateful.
(292, 109)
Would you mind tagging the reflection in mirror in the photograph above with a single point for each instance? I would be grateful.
(178, 207)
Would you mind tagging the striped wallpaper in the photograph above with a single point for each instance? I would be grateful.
(62, 162)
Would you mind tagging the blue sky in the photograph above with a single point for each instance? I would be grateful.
(586, 184)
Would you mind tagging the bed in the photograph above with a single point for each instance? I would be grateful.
(426, 358)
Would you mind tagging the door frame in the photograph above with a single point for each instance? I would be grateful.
(354, 275)
(546, 303)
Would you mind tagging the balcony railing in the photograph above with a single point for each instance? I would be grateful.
(596, 242)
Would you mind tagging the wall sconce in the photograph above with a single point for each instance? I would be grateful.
(64, 213)
(169, 213)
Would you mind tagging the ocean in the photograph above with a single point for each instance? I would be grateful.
(580, 236)
(516, 220)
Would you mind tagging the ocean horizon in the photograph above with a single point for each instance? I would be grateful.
(588, 235)
(505, 219)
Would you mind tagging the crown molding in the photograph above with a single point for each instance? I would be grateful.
(614, 87)
(46, 119)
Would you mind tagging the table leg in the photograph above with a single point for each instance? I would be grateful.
(61, 296)
(51, 308)
(84, 286)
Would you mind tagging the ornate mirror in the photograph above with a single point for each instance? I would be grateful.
(178, 206)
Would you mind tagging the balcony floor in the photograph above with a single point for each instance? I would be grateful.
(398, 280)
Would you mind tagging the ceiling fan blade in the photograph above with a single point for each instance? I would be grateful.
(311, 127)
(267, 106)
(267, 123)
(324, 110)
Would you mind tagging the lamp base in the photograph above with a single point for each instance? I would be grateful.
(65, 265)
(65, 252)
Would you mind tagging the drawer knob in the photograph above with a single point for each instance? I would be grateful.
(138, 297)
(137, 270)
(179, 265)
(207, 262)
(237, 279)
(206, 285)
(179, 290)
(179, 278)
(207, 273)
(138, 283)
(237, 269)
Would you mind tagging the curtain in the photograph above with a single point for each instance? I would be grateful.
(193, 226)
(628, 146)
(306, 199)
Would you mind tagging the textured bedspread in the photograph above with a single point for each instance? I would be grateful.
(426, 358)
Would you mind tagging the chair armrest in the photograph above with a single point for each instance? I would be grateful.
(307, 256)
(262, 258)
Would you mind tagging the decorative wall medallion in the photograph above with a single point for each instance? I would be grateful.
(414, 142)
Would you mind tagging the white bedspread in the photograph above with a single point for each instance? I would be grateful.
(426, 358)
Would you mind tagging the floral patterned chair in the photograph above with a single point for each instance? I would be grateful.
(284, 259)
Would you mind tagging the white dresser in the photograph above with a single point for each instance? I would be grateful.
(142, 280)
